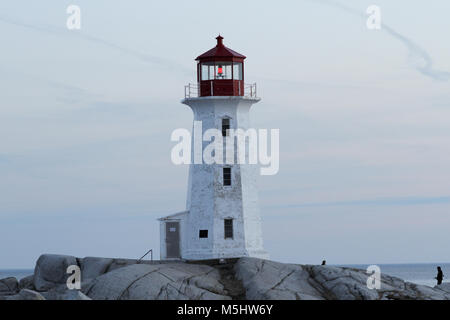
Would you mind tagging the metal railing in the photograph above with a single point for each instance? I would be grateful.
(250, 90)
(192, 90)
(151, 255)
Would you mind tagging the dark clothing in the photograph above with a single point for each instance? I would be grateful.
(439, 277)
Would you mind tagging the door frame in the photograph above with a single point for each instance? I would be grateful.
(166, 229)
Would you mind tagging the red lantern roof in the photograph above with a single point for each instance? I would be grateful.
(221, 52)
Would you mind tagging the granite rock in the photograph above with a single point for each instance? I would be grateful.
(92, 267)
(177, 281)
(51, 270)
(445, 286)
(25, 294)
(9, 286)
(27, 282)
(264, 279)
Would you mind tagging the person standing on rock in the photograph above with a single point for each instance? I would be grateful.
(439, 276)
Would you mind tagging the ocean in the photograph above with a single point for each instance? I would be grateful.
(16, 273)
(420, 273)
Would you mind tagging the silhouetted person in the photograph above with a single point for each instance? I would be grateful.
(439, 276)
(324, 262)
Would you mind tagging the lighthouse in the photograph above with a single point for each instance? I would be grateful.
(222, 216)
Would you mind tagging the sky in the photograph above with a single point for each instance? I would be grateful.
(364, 117)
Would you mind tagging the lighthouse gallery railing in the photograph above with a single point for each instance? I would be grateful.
(192, 90)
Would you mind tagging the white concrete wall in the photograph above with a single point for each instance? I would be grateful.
(209, 202)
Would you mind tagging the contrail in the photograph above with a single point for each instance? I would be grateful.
(394, 201)
(63, 32)
(418, 57)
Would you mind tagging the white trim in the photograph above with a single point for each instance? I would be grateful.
(174, 215)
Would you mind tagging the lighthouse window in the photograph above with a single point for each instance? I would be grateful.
(203, 234)
(207, 70)
(225, 126)
(228, 226)
(204, 70)
(237, 71)
(227, 176)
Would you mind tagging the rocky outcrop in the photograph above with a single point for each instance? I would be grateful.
(9, 286)
(92, 267)
(27, 283)
(25, 294)
(73, 295)
(175, 281)
(243, 278)
(50, 271)
(444, 287)
(265, 279)
(60, 293)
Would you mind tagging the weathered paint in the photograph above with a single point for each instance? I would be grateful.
(209, 202)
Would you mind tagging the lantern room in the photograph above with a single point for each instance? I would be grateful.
(220, 72)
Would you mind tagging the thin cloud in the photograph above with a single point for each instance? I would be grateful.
(66, 92)
(418, 57)
(394, 201)
(143, 57)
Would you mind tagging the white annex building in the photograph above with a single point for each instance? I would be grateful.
(222, 218)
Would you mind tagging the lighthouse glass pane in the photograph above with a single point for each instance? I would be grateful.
(223, 70)
(207, 70)
(211, 72)
(237, 71)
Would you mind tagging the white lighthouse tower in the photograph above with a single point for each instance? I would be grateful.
(222, 218)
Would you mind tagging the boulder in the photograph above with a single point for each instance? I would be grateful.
(51, 270)
(92, 267)
(27, 282)
(174, 281)
(26, 294)
(264, 279)
(9, 286)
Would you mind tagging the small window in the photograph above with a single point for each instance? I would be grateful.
(227, 176)
(228, 228)
(203, 234)
(237, 71)
(204, 72)
(207, 71)
(225, 126)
